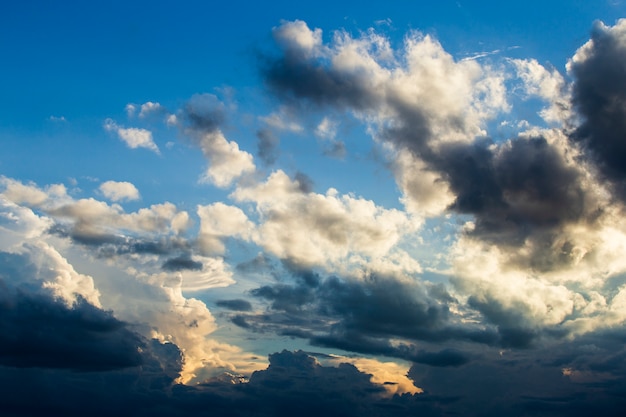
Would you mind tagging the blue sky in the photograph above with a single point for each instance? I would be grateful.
(382, 202)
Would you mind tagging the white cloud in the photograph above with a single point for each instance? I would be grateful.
(130, 110)
(135, 286)
(548, 85)
(326, 129)
(226, 161)
(148, 108)
(296, 35)
(317, 229)
(39, 263)
(133, 137)
(119, 191)
(282, 120)
(219, 221)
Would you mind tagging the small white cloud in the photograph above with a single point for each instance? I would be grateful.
(57, 119)
(171, 120)
(133, 137)
(130, 110)
(384, 22)
(327, 129)
(119, 191)
(280, 120)
(149, 108)
(296, 35)
(226, 161)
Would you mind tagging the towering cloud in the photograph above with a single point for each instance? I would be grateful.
(504, 255)
(598, 94)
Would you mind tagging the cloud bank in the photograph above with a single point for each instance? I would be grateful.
(525, 293)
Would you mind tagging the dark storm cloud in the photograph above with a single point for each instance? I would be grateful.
(235, 305)
(514, 328)
(293, 384)
(555, 380)
(365, 316)
(267, 146)
(445, 357)
(599, 95)
(180, 263)
(37, 331)
(521, 188)
(109, 245)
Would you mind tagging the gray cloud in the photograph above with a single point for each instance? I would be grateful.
(337, 149)
(267, 146)
(305, 183)
(599, 94)
(445, 357)
(204, 113)
(521, 191)
(235, 305)
(365, 316)
(37, 331)
(181, 263)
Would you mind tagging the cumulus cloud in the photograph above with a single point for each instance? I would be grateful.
(81, 337)
(320, 229)
(148, 108)
(219, 221)
(202, 118)
(530, 283)
(540, 214)
(598, 95)
(417, 99)
(153, 268)
(133, 137)
(119, 191)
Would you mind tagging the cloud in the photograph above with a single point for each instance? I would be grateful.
(119, 191)
(138, 287)
(235, 305)
(374, 314)
(130, 109)
(219, 221)
(36, 331)
(267, 145)
(201, 119)
(320, 229)
(540, 220)
(133, 137)
(181, 263)
(527, 283)
(149, 108)
(327, 129)
(283, 120)
(204, 113)
(417, 102)
(549, 85)
(294, 383)
(598, 94)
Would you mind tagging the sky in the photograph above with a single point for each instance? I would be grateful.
(340, 208)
